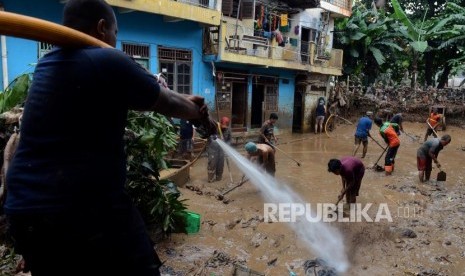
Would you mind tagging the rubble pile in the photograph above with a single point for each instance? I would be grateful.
(413, 104)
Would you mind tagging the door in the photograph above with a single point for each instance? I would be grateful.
(239, 105)
(258, 95)
(223, 99)
(270, 101)
(298, 109)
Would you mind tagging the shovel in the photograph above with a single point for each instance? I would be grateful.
(221, 196)
(441, 176)
(376, 163)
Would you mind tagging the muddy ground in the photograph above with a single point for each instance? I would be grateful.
(424, 238)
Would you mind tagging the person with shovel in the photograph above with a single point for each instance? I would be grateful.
(398, 119)
(388, 132)
(427, 153)
(351, 170)
(362, 132)
(433, 122)
(215, 154)
(264, 154)
(267, 131)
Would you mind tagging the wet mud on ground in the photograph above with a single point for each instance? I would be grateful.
(424, 238)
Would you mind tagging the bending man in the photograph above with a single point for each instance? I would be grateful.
(351, 170)
(264, 154)
(428, 153)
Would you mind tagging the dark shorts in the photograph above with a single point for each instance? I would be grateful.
(430, 131)
(359, 140)
(85, 243)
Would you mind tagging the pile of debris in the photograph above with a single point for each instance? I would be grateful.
(415, 104)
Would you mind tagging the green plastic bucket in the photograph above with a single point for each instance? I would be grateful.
(192, 222)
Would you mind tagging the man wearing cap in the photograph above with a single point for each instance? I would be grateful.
(264, 154)
(215, 153)
(362, 133)
(428, 153)
(351, 170)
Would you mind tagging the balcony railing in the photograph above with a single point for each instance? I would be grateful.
(208, 4)
(345, 4)
(242, 40)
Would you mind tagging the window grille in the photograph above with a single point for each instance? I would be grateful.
(176, 66)
(140, 53)
(44, 48)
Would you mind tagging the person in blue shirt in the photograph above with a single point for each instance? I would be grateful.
(362, 133)
(67, 207)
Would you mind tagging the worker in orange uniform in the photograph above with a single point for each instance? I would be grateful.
(388, 132)
(433, 122)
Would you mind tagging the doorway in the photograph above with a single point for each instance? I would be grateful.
(239, 105)
(297, 119)
(258, 96)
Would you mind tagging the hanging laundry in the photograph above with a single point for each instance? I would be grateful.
(279, 37)
(267, 34)
(284, 21)
(284, 25)
(261, 17)
(294, 42)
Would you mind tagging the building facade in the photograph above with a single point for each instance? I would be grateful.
(247, 58)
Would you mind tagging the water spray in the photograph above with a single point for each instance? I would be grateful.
(322, 239)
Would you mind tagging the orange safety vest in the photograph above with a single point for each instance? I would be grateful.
(434, 119)
(389, 133)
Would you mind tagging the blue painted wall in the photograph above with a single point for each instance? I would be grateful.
(136, 27)
(149, 29)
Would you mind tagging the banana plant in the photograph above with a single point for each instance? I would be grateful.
(454, 21)
(417, 35)
(368, 39)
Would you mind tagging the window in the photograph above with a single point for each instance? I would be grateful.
(230, 8)
(140, 53)
(44, 48)
(176, 66)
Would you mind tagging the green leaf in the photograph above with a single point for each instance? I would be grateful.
(354, 52)
(357, 36)
(377, 55)
(419, 46)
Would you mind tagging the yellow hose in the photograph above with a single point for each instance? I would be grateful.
(330, 117)
(12, 24)
(326, 125)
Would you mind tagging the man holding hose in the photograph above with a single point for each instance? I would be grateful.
(67, 206)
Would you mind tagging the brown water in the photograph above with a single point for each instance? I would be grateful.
(433, 211)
